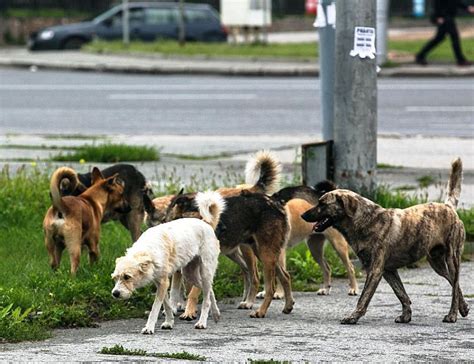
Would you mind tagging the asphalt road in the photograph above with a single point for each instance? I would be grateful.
(312, 332)
(94, 103)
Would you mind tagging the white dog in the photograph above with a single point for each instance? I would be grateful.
(186, 244)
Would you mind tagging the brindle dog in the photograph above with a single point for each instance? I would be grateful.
(255, 220)
(388, 239)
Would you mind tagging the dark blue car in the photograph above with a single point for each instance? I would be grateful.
(148, 22)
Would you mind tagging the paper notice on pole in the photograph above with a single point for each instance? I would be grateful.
(331, 14)
(364, 42)
(320, 21)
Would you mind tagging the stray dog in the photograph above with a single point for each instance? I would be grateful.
(74, 221)
(387, 239)
(136, 193)
(297, 200)
(253, 220)
(189, 245)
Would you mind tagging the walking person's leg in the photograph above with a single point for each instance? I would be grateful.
(438, 38)
(455, 41)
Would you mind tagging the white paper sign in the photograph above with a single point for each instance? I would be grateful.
(325, 19)
(364, 42)
(331, 15)
(320, 21)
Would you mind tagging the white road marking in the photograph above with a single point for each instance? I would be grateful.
(182, 96)
(439, 108)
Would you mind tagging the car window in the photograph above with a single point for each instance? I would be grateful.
(159, 16)
(136, 16)
(197, 16)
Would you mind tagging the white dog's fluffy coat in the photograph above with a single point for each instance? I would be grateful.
(186, 244)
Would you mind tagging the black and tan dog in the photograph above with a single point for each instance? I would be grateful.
(136, 193)
(297, 200)
(387, 239)
(254, 220)
(73, 222)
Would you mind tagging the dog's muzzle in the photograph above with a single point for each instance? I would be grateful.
(116, 293)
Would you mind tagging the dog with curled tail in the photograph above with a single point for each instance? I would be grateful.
(388, 239)
(188, 245)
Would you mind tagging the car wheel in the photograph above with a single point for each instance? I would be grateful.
(73, 43)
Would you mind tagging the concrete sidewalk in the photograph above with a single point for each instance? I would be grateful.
(156, 64)
(311, 333)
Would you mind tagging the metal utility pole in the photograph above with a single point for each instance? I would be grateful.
(355, 123)
(383, 7)
(181, 25)
(327, 41)
(125, 23)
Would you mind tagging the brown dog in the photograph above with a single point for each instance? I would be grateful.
(387, 239)
(74, 221)
(297, 200)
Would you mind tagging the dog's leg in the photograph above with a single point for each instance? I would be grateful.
(269, 261)
(190, 312)
(58, 253)
(374, 276)
(177, 294)
(74, 245)
(438, 263)
(316, 247)
(237, 256)
(453, 259)
(342, 248)
(285, 279)
(393, 279)
(161, 290)
(169, 317)
(216, 313)
(94, 251)
(206, 285)
(251, 262)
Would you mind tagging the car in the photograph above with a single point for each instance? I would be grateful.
(148, 22)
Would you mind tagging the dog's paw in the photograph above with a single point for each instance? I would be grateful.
(261, 295)
(353, 292)
(257, 314)
(464, 310)
(403, 319)
(323, 291)
(188, 316)
(350, 320)
(287, 310)
(245, 305)
(167, 326)
(216, 316)
(450, 318)
(200, 326)
(147, 331)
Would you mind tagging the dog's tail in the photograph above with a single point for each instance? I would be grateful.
(58, 181)
(263, 172)
(454, 183)
(210, 205)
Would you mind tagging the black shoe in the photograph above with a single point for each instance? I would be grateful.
(465, 63)
(421, 61)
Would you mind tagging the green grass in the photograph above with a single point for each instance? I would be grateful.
(297, 51)
(120, 350)
(443, 53)
(388, 166)
(109, 153)
(425, 181)
(34, 300)
(44, 13)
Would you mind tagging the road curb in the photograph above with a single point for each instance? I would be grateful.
(228, 68)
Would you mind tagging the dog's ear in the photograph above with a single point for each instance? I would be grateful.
(96, 175)
(148, 204)
(181, 191)
(144, 261)
(348, 204)
(115, 179)
(327, 198)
